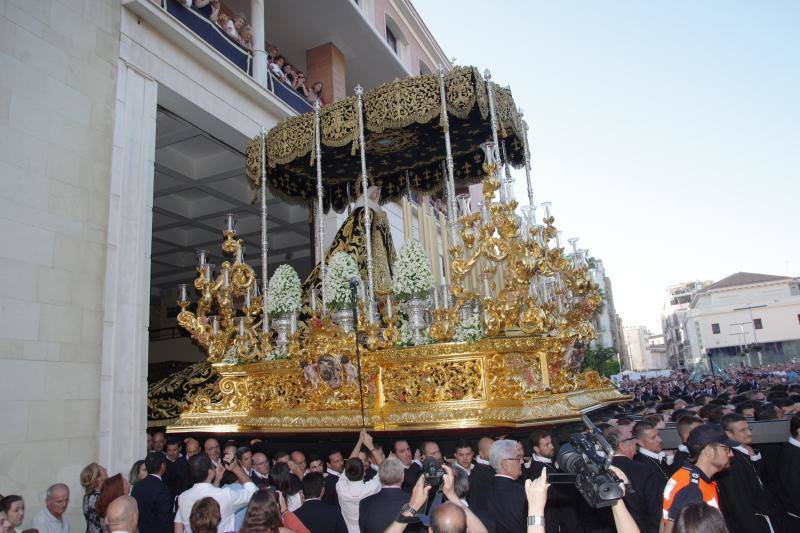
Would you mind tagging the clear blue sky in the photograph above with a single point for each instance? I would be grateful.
(666, 134)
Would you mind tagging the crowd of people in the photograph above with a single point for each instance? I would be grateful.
(237, 28)
(716, 480)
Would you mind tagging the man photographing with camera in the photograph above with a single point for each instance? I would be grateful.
(450, 515)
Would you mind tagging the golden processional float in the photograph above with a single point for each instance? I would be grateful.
(496, 344)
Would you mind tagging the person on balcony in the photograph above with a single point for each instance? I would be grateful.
(288, 75)
(315, 94)
(276, 67)
(205, 7)
(246, 38)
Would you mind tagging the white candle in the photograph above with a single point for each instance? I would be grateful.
(437, 262)
(406, 218)
(389, 306)
(445, 247)
(313, 300)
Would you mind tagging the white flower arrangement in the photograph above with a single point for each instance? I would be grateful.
(340, 270)
(406, 337)
(284, 292)
(469, 330)
(413, 276)
(277, 353)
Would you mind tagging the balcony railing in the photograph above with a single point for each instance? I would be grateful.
(211, 33)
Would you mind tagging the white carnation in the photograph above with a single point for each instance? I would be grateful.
(470, 330)
(340, 270)
(413, 276)
(284, 292)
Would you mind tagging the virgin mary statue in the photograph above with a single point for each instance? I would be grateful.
(351, 238)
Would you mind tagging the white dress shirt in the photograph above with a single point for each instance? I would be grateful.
(350, 495)
(794, 442)
(47, 523)
(480, 460)
(652, 455)
(229, 500)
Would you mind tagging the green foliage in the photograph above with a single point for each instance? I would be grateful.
(604, 360)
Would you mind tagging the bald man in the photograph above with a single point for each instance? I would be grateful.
(122, 515)
(450, 518)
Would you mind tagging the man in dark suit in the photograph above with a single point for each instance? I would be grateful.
(686, 424)
(378, 511)
(412, 467)
(648, 441)
(317, 516)
(744, 500)
(176, 478)
(156, 509)
(644, 502)
(335, 467)
(559, 514)
(788, 475)
(260, 472)
(506, 500)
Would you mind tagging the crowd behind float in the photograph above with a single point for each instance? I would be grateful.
(715, 481)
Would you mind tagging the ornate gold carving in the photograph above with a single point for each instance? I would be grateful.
(495, 381)
(434, 381)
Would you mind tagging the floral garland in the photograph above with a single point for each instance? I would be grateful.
(284, 293)
(413, 276)
(341, 269)
(469, 330)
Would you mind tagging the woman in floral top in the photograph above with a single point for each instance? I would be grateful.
(91, 478)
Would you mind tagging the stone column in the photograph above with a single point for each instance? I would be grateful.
(123, 387)
(326, 63)
(259, 53)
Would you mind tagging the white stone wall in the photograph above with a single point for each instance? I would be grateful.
(58, 63)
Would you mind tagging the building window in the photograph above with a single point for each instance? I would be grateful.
(757, 324)
(391, 39)
(715, 329)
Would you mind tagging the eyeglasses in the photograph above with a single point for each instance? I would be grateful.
(517, 459)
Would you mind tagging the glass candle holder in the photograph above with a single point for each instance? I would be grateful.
(464, 204)
(208, 271)
(489, 153)
(183, 293)
(240, 326)
(547, 206)
(202, 257)
(214, 321)
(230, 223)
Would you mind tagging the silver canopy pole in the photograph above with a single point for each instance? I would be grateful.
(450, 183)
(527, 159)
(367, 217)
(264, 270)
(318, 217)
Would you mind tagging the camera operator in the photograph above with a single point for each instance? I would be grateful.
(560, 512)
(536, 496)
(452, 515)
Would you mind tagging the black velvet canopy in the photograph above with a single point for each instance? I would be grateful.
(405, 145)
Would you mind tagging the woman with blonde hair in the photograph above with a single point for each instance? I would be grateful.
(92, 477)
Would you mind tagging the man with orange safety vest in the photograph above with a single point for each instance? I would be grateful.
(710, 451)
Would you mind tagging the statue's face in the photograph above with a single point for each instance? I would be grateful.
(375, 195)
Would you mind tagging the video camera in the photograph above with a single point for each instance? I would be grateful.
(433, 472)
(599, 486)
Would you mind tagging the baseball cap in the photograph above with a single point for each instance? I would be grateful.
(706, 434)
